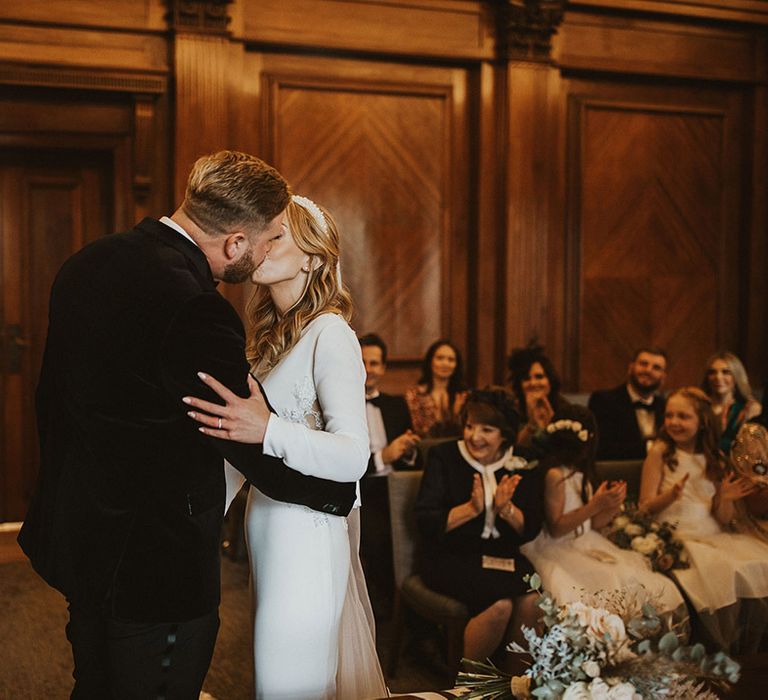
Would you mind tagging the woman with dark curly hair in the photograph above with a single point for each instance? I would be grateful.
(436, 401)
(536, 387)
(477, 505)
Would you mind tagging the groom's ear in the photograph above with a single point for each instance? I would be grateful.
(234, 244)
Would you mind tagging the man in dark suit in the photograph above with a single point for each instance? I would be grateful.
(629, 416)
(393, 446)
(127, 514)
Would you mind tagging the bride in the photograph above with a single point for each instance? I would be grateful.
(313, 626)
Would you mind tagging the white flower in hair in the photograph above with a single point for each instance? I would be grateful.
(314, 211)
(583, 435)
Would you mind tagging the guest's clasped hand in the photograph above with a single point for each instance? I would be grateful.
(539, 409)
(677, 487)
(610, 496)
(400, 446)
(504, 491)
(241, 420)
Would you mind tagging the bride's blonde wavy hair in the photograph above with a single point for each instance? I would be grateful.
(272, 336)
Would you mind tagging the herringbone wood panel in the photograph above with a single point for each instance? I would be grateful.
(376, 160)
(650, 231)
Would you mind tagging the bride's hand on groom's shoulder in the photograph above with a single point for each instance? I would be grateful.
(241, 420)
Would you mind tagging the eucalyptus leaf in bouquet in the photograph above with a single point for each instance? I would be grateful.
(610, 646)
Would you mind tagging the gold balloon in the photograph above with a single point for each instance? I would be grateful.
(749, 453)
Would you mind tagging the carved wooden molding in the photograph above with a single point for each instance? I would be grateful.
(525, 28)
(198, 16)
(81, 79)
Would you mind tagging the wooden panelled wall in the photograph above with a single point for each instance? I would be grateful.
(591, 174)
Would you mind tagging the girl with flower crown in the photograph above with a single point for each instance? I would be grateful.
(478, 503)
(313, 631)
(570, 555)
(685, 481)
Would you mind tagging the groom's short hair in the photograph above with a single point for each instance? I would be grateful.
(230, 190)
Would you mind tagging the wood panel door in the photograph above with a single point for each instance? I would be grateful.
(384, 148)
(52, 202)
(656, 230)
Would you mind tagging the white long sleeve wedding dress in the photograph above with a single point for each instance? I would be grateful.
(313, 626)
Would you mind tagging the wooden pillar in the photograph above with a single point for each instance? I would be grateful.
(533, 191)
(201, 50)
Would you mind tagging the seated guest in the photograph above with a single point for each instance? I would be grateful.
(393, 446)
(436, 401)
(477, 505)
(727, 385)
(570, 555)
(537, 389)
(629, 416)
(685, 481)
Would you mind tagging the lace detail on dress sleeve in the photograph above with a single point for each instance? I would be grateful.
(305, 408)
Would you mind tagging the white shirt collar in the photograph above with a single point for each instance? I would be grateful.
(168, 221)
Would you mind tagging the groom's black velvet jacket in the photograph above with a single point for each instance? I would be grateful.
(127, 514)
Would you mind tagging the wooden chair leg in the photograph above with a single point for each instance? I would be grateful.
(397, 636)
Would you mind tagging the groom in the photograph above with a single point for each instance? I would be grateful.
(126, 518)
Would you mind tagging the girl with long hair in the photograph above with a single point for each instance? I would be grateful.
(571, 556)
(685, 481)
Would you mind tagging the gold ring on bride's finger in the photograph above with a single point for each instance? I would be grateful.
(219, 422)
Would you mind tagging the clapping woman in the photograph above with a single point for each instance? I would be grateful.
(477, 505)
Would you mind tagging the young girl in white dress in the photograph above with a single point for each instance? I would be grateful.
(685, 481)
(571, 556)
(313, 625)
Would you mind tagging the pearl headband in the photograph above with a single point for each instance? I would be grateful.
(313, 210)
(319, 219)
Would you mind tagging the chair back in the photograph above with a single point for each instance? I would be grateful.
(628, 470)
(403, 489)
(426, 443)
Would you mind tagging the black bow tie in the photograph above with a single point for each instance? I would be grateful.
(642, 406)
(375, 400)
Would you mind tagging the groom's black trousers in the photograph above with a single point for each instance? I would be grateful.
(118, 660)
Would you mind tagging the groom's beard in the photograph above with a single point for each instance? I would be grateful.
(241, 270)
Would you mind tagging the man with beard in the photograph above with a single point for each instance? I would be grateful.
(629, 416)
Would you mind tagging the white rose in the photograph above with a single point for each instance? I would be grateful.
(551, 428)
(560, 424)
(624, 691)
(591, 668)
(599, 690)
(577, 691)
(653, 537)
(583, 435)
(633, 530)
(644, 545)
(599, 622)
(576, 426)
(621, 521)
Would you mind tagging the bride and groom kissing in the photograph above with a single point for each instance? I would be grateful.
(144, 393)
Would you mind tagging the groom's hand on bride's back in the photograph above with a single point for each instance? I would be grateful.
(239, 419)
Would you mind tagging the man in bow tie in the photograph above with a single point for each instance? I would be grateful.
(629, 416)
(393, 447)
